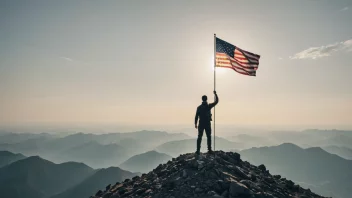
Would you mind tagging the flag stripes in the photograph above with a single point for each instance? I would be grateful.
(230, 56)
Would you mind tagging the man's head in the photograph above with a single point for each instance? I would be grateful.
(204, 98)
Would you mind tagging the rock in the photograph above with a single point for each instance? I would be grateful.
(135, 178)
(198, 190)
(122, 191)
(263, 195)
(240, 172)
(223, 175)
(140, 191)
(262, 167)
(108, 187)
(289, 184)
(147, 192)
(217, 187)
(107, 195)
(200, 164)
(237, 189)
(253, 177)
(184, 173)
(99, 193)
(127, 180)
(194, 164)
(169, 184)
(270, 180)
(236, 156)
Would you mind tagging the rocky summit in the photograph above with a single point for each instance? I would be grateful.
(220, 175)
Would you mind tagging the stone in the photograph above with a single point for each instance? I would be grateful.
(198, 190)
(122, 191)
(217, 188)
(140, 191)
(99, 193)
(236, 156)
(223, 175)
(135, 178)
(237, 189)
(262, 167)
(184, 173)
(127, 180)
(225, 193)
(107, 195)
(263, 195)
(108, 187)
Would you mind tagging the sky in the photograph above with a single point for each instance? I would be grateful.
(149, 62)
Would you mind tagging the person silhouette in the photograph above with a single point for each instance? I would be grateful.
(203, 113)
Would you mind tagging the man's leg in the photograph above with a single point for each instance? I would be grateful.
(208, 133)
(200, 136)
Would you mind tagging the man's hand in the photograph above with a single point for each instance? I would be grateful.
(196, 126)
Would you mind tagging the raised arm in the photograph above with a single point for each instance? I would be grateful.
(211, 105)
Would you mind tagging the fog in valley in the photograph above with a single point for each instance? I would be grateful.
(315, 159)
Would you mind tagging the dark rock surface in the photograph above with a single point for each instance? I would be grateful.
(223, 175)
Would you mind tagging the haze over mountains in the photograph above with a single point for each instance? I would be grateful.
(128, 154)
(340, 151)
(36, 177)
(99, 180)
(39, 178)
(145, 162)
(98, 151)
(313, 168)
(8, 157)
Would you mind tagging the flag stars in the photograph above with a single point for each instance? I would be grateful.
(239, 60)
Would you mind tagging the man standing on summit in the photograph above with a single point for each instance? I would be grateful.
(204, 115)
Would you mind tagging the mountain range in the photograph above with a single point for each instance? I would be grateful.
(325, 170)
(35, 177)
(98, 151)
(95, 155)
(343, 152)
(313, 168)
(100, 179)
(7, 157)
(145, 162)
(39, 178)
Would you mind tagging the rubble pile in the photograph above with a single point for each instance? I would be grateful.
(220, 175)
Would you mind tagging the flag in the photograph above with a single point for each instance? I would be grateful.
(230, 56)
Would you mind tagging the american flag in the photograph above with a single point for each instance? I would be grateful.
(230, 56)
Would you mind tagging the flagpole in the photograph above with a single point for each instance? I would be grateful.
(214, 81)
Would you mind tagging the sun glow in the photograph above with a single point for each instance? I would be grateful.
(219, 70)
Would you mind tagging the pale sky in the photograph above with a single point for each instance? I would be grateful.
(149, 62)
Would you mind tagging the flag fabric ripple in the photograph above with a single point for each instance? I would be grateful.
(230, 56)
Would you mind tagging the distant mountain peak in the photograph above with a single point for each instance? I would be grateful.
(145, 162)
(289, 145)
(221, 175)
(5, 153)
(32, 161)
(7, 157)
(152, 152)
(317, 150)
(8, 153)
